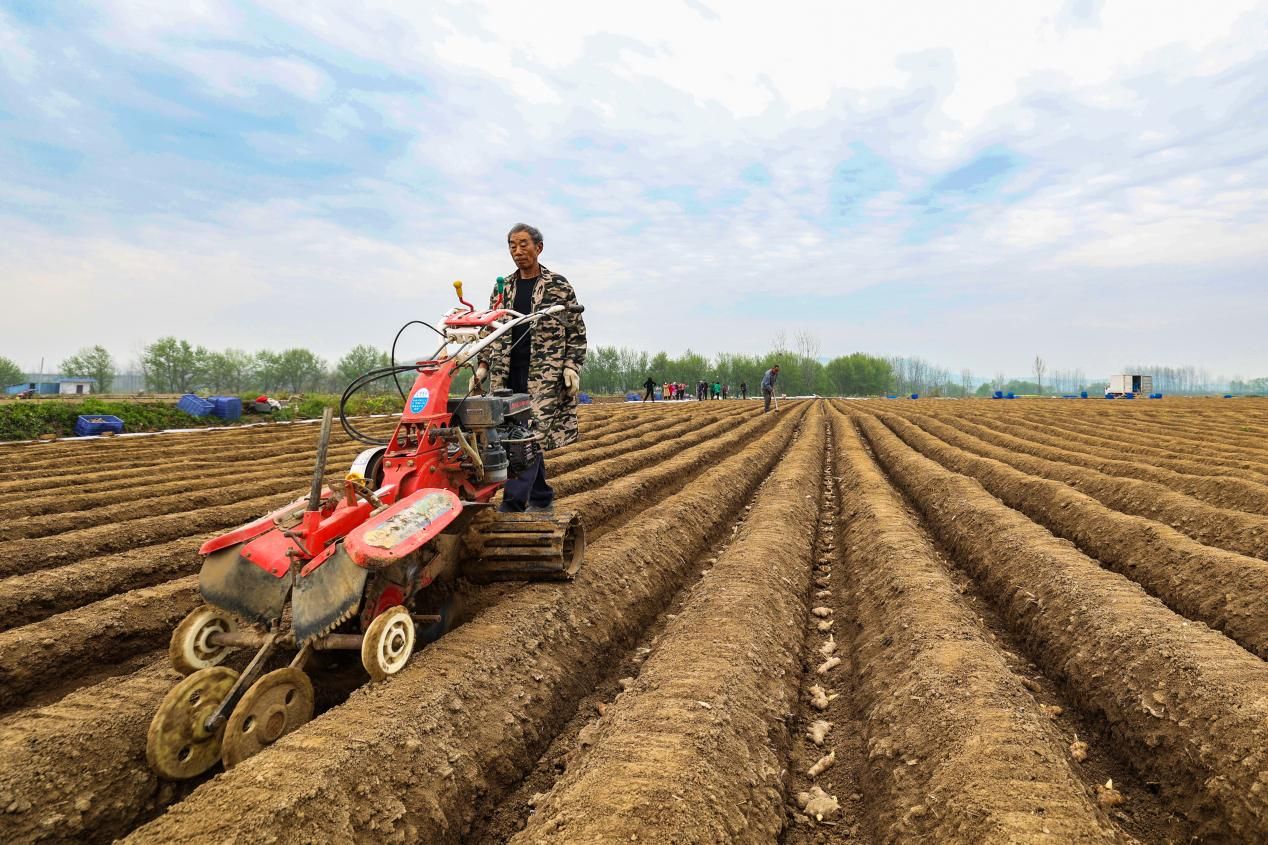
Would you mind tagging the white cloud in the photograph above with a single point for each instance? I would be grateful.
(16, 57)
(624, 136)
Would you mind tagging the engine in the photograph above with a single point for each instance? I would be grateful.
(504, 430)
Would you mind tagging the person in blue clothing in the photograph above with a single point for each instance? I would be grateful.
(768, 386)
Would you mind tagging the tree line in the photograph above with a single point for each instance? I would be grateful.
(611, 369)
(173, 365)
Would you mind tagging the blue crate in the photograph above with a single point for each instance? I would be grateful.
(195, 406)
(999, 394)
(584, 399)
(97, 424)
(226, 407)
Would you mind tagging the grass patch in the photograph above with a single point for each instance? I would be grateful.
(30, 419)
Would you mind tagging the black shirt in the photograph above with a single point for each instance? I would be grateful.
(521, 337)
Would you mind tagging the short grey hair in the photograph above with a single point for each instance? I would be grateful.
(533, 232)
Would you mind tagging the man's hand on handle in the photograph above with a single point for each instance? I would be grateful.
(477, 381)
(572, 381)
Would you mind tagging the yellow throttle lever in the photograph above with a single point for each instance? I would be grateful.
(457, 286)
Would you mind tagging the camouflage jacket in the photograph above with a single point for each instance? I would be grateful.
(554, 344)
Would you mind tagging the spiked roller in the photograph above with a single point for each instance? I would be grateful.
(523, 546)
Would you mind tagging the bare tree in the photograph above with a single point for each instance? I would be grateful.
(966, 381)
(807, 344)
(1040, 368)
(808, 359)
(779, 341)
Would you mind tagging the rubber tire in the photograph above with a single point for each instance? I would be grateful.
(182, 646)
(372, 645)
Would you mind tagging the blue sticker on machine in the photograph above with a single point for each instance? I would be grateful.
(419, 400)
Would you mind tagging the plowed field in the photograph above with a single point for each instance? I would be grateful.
(848, 621)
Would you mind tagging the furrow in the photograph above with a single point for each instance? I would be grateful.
(1189, 706)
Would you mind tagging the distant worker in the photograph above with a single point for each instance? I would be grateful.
(701, 389)
(543, 359)
(725, 389)
(650, 386)
(768, 386)
(743, 390)
(717, 390)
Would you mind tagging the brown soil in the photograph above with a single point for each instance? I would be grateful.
(1236, 531)
(1190, 707)
(974, 644)
(1161, 453)
(959, 749)
(692, 751)
(482, 702)
(1222, 491)
(1226, 590)
(85, 636)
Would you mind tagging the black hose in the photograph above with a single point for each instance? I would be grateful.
(395, 340)
(392, 371)
(359, 383)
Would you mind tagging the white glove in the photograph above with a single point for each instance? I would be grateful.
(477, 381)
(572, 381)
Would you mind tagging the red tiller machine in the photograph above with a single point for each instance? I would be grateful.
(367, 564)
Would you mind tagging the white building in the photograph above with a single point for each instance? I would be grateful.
(76, 385)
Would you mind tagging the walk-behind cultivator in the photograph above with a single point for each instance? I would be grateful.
(366, 564)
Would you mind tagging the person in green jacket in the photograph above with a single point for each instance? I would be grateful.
(717, 390)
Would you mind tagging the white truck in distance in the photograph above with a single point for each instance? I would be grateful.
(1136, 385)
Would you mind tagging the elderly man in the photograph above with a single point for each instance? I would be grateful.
(544, 360)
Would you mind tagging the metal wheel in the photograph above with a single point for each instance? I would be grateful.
(275, 705)
(178, 745)
(437, 599)
(388, 643)
(191, 649)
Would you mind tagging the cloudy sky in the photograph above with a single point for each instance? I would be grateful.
(1085, 179)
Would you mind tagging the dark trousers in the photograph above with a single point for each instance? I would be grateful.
(649, 395)
(528, 488)
(766, 395)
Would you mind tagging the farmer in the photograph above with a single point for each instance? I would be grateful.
(743, 390)
(717, 390)
(543, 359)
(650, 387)
(768, 386)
